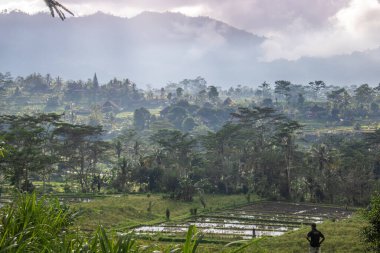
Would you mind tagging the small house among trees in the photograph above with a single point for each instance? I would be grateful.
(110, 106)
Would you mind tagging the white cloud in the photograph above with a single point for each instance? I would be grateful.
(295, 28)
(353, 28)
(28, 6)
(192, 10)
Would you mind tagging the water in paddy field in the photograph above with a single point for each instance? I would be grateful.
(254, 220)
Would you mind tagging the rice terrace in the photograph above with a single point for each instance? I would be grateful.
(251, 221)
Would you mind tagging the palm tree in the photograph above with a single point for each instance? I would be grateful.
(319, 179)
(57, 8)
(321, 154)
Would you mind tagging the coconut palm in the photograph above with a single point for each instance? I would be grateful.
(57, 8)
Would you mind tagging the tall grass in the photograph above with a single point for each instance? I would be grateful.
(33, 225)
(101, 242)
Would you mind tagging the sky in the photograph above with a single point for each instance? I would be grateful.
(293, 28)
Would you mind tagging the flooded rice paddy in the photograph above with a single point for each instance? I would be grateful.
(254, 220)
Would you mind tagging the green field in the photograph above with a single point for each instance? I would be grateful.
(126, 115)
(122, 212)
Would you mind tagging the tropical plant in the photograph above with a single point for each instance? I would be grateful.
(371, 232)
(193, 238)
(101, 242)
(32, 224)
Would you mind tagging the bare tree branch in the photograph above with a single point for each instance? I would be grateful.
(57, 8)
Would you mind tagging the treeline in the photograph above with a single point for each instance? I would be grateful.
(90, 92)
(259, 151)
(331, 104)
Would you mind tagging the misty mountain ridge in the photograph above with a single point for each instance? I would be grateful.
(156, 48)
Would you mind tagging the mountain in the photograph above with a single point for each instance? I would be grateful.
(155, 48)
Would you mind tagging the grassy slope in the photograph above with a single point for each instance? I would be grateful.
(121, 212)
(341, 237)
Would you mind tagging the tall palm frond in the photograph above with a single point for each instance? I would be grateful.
(57, 8)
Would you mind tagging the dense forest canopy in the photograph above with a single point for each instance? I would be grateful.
(313, 142)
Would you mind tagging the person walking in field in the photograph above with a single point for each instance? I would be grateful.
(314, 237)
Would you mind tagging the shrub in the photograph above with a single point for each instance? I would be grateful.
(371, 232)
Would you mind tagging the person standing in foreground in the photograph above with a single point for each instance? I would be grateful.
(314, 238)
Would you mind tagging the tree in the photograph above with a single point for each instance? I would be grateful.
(162, 93)
(364, 94)
(123, 175)
(375, 108)
(265, 149)
(213, 93)
(340, 100)
(141, 118)
(31, 140)
(265, 88)
(6, 78)
(36, 83)
(178, 148)
(221, 154)
(188, 124)
(95, 83)
(321, 160)
(177, 157)
(317, 86)
(371, 232)
(202, 96)
(80, 147)
(283, 88)
(169, 96)
(179, 92)
(301, 99)
(176, 115)
(286, 139)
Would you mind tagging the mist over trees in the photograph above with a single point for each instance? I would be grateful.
(313, 142)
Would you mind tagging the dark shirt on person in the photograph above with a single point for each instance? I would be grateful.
(315, 237)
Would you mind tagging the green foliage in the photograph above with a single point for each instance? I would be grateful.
(246, 244)
(33, 224)
(213, 93)
(30, 224)
(141, 118)
(193, 238)
(3, 149)
(371, 232)
(188, 124)
(80, 148)
(131, 210)
(30, 138)
(101, 242)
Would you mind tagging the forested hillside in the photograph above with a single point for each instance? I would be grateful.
(311, 142)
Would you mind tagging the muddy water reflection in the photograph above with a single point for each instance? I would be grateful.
(256, 220)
